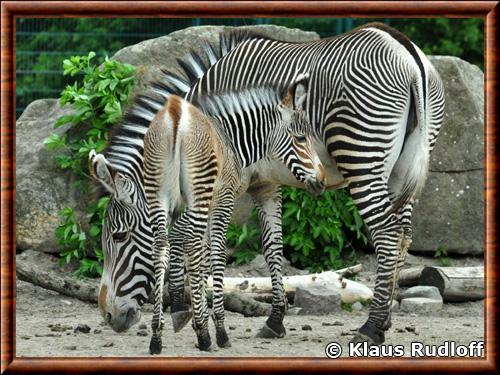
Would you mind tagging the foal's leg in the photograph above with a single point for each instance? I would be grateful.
(194, 233)
(268, 202)
(160, 261)
(180, 311)
(221, 215)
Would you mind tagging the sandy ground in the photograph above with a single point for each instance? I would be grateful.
(46, 322)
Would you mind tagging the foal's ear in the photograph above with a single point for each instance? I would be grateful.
(102, 171)
(297, 92)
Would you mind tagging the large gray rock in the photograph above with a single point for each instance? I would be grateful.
(317, 300)
(42, 190)
(449, 213)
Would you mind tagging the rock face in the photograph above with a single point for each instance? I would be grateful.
(449, 213)
(41, 189)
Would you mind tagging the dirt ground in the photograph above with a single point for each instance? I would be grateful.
(46, 323)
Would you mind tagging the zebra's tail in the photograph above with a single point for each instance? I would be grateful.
(413, 163)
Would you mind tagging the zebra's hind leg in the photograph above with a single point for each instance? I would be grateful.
(198, 220)
(268, 201)
(181, 313)
(372, 200)
(160, 261)
(220, 217)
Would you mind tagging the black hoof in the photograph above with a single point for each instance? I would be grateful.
(180, 319)
(371, 334)
(266, 332)
(204, 342)
(222, 338)
(155, 345)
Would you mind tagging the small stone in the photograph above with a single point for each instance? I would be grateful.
(467, 325)
(345, 333)
(306, 327)
(421, 305)
(108, 345)
(25, 337)
(248, 330)
(142, 333)
(294, 311)
(422, 291)
(357, 306)
(57, 328)
(70, 347)
(335, 323)
(292, 329)
(304, 339)
(232, 328)
(400, 330)
(143, 326)
(410, 329)
(97, 331)
(66, 302)
(83, 328)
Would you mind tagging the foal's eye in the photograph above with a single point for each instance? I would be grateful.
(120, 236)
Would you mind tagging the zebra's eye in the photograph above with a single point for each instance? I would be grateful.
(120, 236)
(300, 138)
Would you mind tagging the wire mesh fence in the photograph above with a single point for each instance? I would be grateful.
(42, 44)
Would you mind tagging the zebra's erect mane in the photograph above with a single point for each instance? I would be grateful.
(194, 66)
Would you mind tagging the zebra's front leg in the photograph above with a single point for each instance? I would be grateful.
(180, 311)
(268, 202)
(160, 261)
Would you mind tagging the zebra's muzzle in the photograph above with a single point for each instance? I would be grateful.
(315, 187)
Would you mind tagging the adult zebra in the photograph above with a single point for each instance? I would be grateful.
(376, 105)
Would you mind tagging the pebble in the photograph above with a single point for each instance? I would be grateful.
(335, 323)
(70, 347)
(142, 333)
(306, 327)
(292, 329)
(25, 337)
(66, 302)
(345, 333)
(97, 331)
(232, 328)
(83, 328)
(108, 345)
(357, 306)
(248, 330)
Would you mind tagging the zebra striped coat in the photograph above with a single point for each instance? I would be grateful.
(376, 105)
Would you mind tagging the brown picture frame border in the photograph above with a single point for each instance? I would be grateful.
(10, 10)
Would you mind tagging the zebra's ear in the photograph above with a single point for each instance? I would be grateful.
(299, 89)
(296, 94)
(102, 171)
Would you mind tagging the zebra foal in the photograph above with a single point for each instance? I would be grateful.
(196, 160)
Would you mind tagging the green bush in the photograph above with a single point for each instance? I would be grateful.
(97, 100)
(318, 233)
